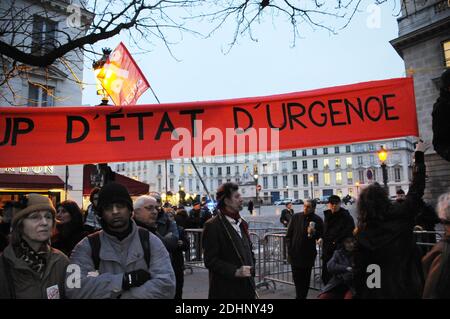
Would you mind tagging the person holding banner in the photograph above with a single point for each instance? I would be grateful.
(387, 263)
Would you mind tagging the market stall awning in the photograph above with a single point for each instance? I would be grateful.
(135, 188)
(18, 181)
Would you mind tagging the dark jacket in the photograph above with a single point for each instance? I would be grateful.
(286, 215)
(302, 249)
(337, 267)
(390, 244)
(194, 220)
(177, 255)
(433, 263)
(222, 260)
(250, 206)
(337, 227)
(28, 284)
(441, 118)
(67, 237)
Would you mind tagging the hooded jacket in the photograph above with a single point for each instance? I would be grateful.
(28, 284)
(390, 244)
(116, 258)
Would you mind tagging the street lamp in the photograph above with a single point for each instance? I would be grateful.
(311, 179)
(100, 73)
(382, 156)
(255, 176)
(357, 188)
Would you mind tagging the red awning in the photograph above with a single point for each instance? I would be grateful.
(135, 188)
(30, 181)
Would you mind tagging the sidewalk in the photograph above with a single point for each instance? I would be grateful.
(196, 287)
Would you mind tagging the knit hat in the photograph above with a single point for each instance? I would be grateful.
(32, 203)
(113, 193)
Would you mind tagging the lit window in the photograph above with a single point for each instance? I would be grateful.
(446, 47)
(339, 178)
(326, 179)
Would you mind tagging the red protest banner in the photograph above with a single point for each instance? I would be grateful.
(77, 135)
(121, 77)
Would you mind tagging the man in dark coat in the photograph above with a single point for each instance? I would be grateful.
(385, 240)
(250, 207)
(286, 214)
(303, 231)
(228, 252)
(441, 118)
(338, 225)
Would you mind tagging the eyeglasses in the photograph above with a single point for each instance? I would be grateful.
(35, 217)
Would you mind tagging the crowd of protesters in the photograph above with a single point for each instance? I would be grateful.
(125, 249)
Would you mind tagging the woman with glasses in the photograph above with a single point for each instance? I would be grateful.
(29, 267)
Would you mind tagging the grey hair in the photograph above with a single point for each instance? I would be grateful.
(443, 206)
(139, 202)
(312, 202)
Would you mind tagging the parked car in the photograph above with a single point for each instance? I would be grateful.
(323, 199)
(297, 202)
(283, 201)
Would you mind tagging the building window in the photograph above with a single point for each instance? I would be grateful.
(371, 159)
(305, 194)
(219, 171)
(397, 174)
(228, 170)
(294, 153)
(371, 147)
(295, 180)
(236, 168)
(285, 181)
(265, 182)
(181, 169)
(336, 149)
(338, 178)
(275, 181)
(304, 152)
(295, 194)
(159, 184)
(349, 161)
(189, 169)
(211, 184)
(40, 95)
(204, 170)
(314, 151)
(350, 191)
(294, 165)
(219, 182)
(361, 177)
(159, 169)
(326, 179)
(348, 149)
(305, 164)
(43, 36)
(265, 168)
(211, 171)
(349, 178)
(325, 150)
(339, 192)
(316, 179)
(394, 144)
(446, 48)
(171, 169)
(285, 194)
(228, 180)
(360, 160)
(337, 162)
(171, 183)
(274, 167)
(284, 166)
(326, 163)
(305, 179)
(315, 164)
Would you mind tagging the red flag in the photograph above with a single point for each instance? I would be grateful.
(121, 77)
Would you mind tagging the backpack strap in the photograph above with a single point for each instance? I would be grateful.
(9, 278)
(94, 241)
(144, 237)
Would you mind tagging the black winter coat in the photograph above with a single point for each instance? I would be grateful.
(441, 127)
(301, 249)
(390, 244)
(222, 260)
(286, 215)
(337, 227)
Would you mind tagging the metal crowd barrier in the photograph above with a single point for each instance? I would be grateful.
(270, 252)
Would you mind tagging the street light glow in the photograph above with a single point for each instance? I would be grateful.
(382, 154)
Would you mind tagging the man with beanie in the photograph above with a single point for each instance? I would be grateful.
(29, 267)
(338, 225)
(441, 118)
(228, 252)
(123, 271)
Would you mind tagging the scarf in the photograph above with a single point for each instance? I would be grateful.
(237, 217)
(120, 236)
(35, 260)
